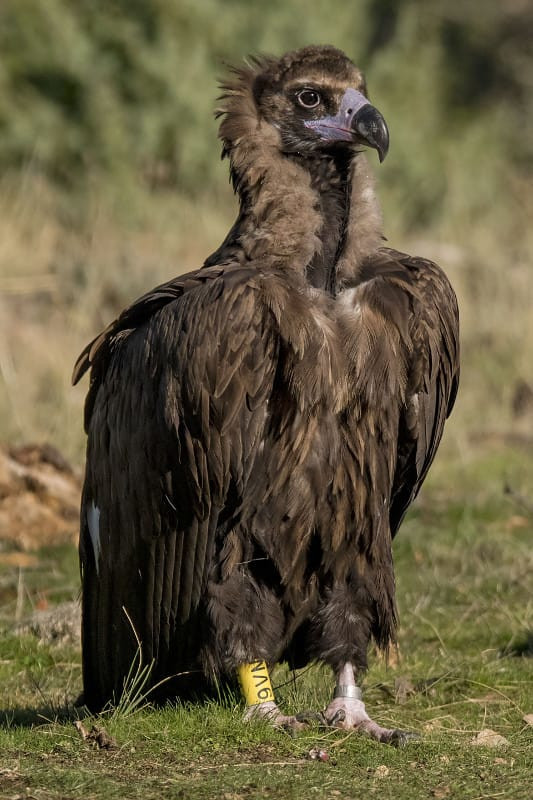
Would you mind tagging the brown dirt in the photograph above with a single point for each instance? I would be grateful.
(39, 498)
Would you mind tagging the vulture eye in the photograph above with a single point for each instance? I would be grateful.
(308, 98)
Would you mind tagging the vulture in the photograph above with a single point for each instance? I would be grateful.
(258, 428)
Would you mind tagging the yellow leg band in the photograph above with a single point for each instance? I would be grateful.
(255, 683)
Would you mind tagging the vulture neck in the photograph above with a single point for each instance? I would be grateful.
(316, 216)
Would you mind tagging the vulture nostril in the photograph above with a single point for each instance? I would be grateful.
(349, 111)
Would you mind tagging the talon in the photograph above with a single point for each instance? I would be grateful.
(338, 718)
(401, 738)
(292, 725)
(310, 717)
(270, 713)
(348, 712)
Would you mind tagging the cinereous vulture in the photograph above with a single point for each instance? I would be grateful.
(258, 428)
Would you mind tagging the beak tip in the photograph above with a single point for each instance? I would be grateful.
(382, 152)
(380, 141)
(369, 124)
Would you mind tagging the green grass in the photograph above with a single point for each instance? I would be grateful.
(107, 203)
(464, 567)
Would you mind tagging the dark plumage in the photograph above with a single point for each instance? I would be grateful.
(258, 428)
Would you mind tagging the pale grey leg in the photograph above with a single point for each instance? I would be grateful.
(347, 711)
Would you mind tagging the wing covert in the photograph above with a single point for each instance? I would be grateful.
(432, 383)
(174, 414)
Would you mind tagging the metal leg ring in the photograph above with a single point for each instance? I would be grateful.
(353, 692)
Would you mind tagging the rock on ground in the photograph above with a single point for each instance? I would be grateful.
(39, 498)
(59, 625)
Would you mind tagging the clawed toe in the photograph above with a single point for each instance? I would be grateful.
(292, 724)
(338, 720)
(269, 712)
(400, 738)
(347, 715)
(311, 717)
(302, 721)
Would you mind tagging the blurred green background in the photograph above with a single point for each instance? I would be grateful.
(110, 177)
(110, 183)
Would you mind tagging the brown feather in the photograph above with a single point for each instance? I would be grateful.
(258, 428)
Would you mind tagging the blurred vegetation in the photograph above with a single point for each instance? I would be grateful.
(111, 179)
(110, 183)
(122, 88)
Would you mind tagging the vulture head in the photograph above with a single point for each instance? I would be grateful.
(314, 100)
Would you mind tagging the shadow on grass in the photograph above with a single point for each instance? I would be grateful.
(42, 715)
(521, 646)
(225, 695)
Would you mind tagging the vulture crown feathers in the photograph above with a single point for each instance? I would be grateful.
(283, 123)
(258, 428)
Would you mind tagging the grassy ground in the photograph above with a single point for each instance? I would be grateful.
(69, 262)
(464, 567)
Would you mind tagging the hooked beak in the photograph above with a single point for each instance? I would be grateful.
(370, 126)
(356, 121)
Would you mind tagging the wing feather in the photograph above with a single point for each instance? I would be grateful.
(432, 382)
(173, 414)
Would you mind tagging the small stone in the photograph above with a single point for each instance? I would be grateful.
(516, 521)
(10, 774)
(440, 791)
(528, 719)
(382, 771)
(318, 754)
(489, 738)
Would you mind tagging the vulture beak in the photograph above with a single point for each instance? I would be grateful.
(356, 121)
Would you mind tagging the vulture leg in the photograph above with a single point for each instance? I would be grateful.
(257, 691)
(347, 711)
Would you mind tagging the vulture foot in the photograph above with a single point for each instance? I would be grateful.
(270, 712)
(349, 714)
